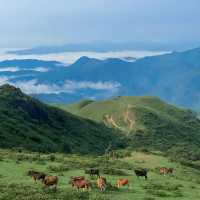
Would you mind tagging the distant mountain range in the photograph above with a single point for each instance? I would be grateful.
(173, 77)
(100, 47)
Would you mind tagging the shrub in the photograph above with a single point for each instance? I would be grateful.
(120, 154)
(52, 157)
(113, 171)
(57, 168)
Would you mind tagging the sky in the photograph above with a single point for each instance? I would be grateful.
(27, 23)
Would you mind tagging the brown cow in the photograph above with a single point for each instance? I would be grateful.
(165, 170)
(79, 182)
(36, 175)
(122, 182)
(73, 178)
(50, 181)
(101, 183)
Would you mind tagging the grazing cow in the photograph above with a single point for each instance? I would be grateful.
(50, 181)
(36, 175)
(101, 183)
(73, 178)
(122, 182)
(80, 183)
(141, 172)
(92, 172)
(165, 170)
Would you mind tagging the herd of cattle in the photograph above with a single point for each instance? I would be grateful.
(80, 182)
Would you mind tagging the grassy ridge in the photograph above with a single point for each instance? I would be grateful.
(149, 122)
(26, 122)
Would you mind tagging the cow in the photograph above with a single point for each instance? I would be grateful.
(92, 172)
(36, 175)
(50, 181)
(165, 170)
(80, 183)
(101, 183)
(122, 182)
(141, 172)
(73, 178)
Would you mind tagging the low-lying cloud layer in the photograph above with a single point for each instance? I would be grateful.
(3, 80)
(17, 69)
(69, 86)
(9, 69)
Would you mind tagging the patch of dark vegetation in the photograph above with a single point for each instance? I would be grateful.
(148, 198)
(113, 171)
(164, 190)
(58, 168)
(158, 193)
(120, 154)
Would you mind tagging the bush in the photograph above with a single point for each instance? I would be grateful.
(113, 171)
(57, 168)
(52, 157)
(120, 154)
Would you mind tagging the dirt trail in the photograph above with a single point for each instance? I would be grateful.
(129, 117)
(109, 119)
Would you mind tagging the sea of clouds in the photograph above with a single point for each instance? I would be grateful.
(68, 86)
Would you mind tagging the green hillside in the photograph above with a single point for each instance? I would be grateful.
(149, 122)
(27, 123)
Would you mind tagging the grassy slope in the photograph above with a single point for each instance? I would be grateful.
(183, 185)
(26, 122)
(152, 123)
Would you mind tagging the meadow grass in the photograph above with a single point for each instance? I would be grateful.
(184, 184)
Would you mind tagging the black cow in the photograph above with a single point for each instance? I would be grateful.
(141, 172)
(36, 175)
(92, 172)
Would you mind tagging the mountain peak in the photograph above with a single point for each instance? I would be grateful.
(8, 89)
(85, 59)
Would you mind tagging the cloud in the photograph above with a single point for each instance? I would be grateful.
(69, 86)
(16, 69)
(39, 69)
(74, 85)
(70, 57)
(9, 69)
(3, 80)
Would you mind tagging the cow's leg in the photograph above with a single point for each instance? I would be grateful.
(35, 179)
(77, 188)
(89, 188)
(55, 187)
